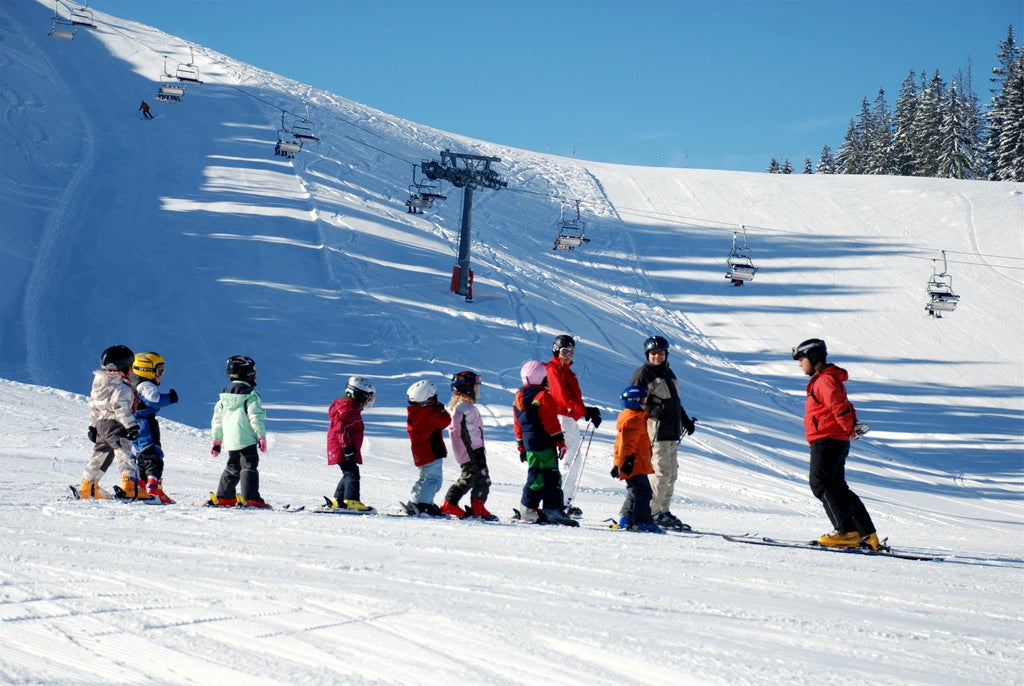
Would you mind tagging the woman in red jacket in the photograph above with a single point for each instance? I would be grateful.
(829, 423)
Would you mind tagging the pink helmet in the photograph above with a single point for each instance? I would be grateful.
(533, 373)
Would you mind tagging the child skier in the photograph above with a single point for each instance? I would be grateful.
(345, 441)
(239, 425)
(633, 461)
(148, 368)
(466, 433)
(425, 420)
(112, 426)
(541, 445)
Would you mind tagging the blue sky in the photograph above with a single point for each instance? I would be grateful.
(716, 84)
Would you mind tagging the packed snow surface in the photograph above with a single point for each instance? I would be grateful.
(188, 236)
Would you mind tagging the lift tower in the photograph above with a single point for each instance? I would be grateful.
(466, 172)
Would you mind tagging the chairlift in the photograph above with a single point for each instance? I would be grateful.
(422, 195)
(82, 16)
(940, 291)
(741, 266)
(188, 73)
(61, 27)
(305, 129)
(571, 232)
(287, 144)
(169, 91)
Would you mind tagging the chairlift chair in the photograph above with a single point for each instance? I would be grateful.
(572, 232)
(82, 16)
(61, 27)
(741, 266)
(188, 73)
(422, 195)
(940, 292)
(170, 92)
(305, 129)
(287, 145)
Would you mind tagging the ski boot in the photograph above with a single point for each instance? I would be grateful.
(130, 488)
(215, 501)
(480, 511)
(850, 539)
(91, 490)
(155, 489)
(871, 541)
(452, 509)
(530, 515)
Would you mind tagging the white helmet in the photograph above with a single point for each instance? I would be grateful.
(360, 390)
(533, 373)
(421, 392)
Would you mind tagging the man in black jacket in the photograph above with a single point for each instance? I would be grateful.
(668, 421)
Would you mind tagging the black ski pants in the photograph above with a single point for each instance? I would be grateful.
(828, 484)
(241, 470)
(637, 505)
(348, 485)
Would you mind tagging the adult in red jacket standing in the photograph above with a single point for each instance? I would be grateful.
(830, 421)
(564, 390)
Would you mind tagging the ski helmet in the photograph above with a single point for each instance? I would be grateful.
(563, 341)
(148, 365)
(533, 373)
(465, 383)
(633, 397)
(813, 349)
(242, 368)
(117, 358)
(422, 393)
(656, 343)
(360, 390)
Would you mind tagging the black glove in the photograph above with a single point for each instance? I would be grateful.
(627, 465)
(522, 451)
(349, 454)
(655, 409)
(173, 396)
(132, 433)
(480, 456)
(593, 415)
(615, 472)
(689, 424)
(91, 433)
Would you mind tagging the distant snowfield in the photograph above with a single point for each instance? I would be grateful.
(186, 235)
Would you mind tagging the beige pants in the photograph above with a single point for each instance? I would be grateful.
(111, 444)
(665, 461)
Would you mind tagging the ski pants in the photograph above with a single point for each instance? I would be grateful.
(151, 462)
(429, 483)
(241, 470)
(348, 485)
(827, 478)
(543, 480)
(474, 479)
(665, 460)
(111, 444)
(638, 499)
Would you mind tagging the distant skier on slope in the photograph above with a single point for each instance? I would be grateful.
(830, 421)
(144, 107)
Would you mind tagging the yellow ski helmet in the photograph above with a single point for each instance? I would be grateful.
(148, 365)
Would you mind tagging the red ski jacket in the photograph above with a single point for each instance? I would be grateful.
(564, 389)
(345, 431)
(828, 413)
(424, 424)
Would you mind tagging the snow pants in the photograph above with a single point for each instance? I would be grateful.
(348, 486)
(241, 470)
(665, 460)
(543, 480)
(111, 444)
(151, 462)
(637, 505)
(429, 483)
(827, 478)
(474, 479)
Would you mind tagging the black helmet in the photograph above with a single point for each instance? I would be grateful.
(813, 349)
(655, 343)
(563, 341)
(117, 358)
(465, 383)
(242, 368)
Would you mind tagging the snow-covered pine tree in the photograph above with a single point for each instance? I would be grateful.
(999, 111)
(808, 166)
(826, 162)
(956, 156)
(927, 126)
(904, 160)
(1010, 164)
(774, 167)
(849, 157)
(787, 167)
(878, 137)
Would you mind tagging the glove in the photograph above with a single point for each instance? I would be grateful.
(559, 440)
(349, 454)
(593, 415)
(132, 433)
(91, 433)
(522, 451)
(215, 448)
(262, 443)
(655, 410)
(689, 423)
(628, 464)
(615, 472)
(859, 429)
(480, 456)
(173, 396)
